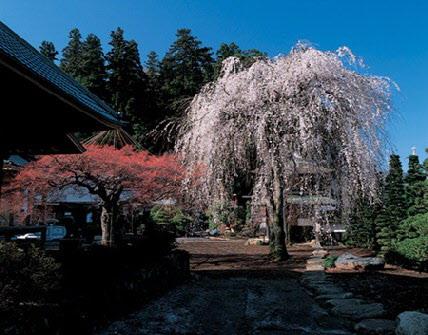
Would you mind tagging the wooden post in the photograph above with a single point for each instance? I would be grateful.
(1, 175)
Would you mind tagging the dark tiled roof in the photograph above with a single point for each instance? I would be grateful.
(19, 51)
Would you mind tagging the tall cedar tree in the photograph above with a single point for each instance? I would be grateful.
(126, 78)
(394, 205)
(415, 187)
(72, 55)
(186, 67)
(92, 66)
(48, 50)
(153, 102)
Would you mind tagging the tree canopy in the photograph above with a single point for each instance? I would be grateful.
(107, 173)
(48, 50)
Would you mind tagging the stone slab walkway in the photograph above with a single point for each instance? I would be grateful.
(234, 305)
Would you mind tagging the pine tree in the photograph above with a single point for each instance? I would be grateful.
(393, 209)
(125, 77)
(48, 50)
(71, 55)
(92, 66)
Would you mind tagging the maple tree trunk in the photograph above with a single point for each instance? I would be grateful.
(108, 225)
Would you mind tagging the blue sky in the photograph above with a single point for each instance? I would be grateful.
(391, 36)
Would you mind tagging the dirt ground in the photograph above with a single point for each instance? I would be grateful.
(237, 289)
(397, 288)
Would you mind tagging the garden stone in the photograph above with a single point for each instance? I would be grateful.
(356, 309)
(346, 295)
(349, 261)
(412, 323)
(375, 327)
(327, 289)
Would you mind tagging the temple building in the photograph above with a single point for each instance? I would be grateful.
(42, 107)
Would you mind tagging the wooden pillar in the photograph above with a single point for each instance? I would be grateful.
(1, 173)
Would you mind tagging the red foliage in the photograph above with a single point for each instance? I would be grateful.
(106, 172)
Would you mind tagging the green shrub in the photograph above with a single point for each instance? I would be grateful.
(181, 221)
(411, 247)
(329, 262)
(171, 215)
(30, 281)
(414, 249)
(414, 227)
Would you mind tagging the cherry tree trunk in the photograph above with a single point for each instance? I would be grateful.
(278, 247)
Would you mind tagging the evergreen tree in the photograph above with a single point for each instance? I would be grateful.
(247, 57)
(92, 66)
(48, 50)
(71, 55)
(362, 225)
(227, 50)
(415, 187)
(125, 77)
(393, 209)
(153, 101)
(186, 67)
(152, 67)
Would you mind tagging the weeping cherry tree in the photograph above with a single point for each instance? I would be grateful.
(308, 106)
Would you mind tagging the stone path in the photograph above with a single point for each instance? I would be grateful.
(362, 316)
(234, 305)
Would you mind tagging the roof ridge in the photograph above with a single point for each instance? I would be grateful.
(48, 71)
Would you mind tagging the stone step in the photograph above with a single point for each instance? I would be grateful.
(356, 309)
(346, 295)
(375, 327)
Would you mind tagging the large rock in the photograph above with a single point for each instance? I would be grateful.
(412, 323)
(375, 327)
(356, 309)
(349, 261)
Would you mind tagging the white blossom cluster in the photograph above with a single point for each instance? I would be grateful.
(309, 106)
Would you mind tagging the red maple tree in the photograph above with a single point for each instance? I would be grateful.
(107, 173)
